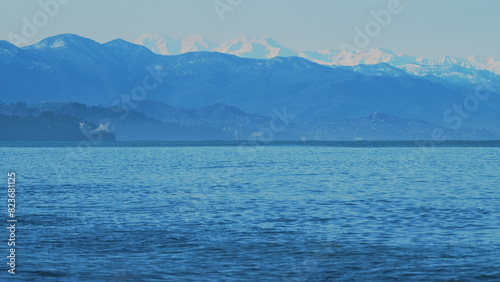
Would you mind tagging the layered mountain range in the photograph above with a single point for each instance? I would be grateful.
(223, 95)
(267, 48)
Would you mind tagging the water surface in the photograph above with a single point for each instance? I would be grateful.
(262, 213)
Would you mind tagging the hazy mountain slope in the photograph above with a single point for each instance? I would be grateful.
(135, 125)
(69, 68)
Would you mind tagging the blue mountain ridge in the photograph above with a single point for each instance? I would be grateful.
(69, 68)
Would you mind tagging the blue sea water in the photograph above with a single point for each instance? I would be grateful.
(263, 213)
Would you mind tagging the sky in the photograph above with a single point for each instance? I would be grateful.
(423, 28)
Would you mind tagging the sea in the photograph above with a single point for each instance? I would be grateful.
(284, 211)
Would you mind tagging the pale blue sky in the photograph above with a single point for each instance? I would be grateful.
(428, 28)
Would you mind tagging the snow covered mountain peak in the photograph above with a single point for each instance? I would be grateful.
(486, 63)
(166, 45)
(256, 48)
(267, 48)
(64, 40)
(163, 45)
(196, 43)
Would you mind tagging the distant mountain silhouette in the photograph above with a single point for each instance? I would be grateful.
(215, 122)
(69, 68)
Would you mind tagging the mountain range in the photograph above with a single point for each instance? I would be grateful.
(215, 95)
(267, 48)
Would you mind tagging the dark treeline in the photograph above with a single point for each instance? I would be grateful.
(45, 126)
